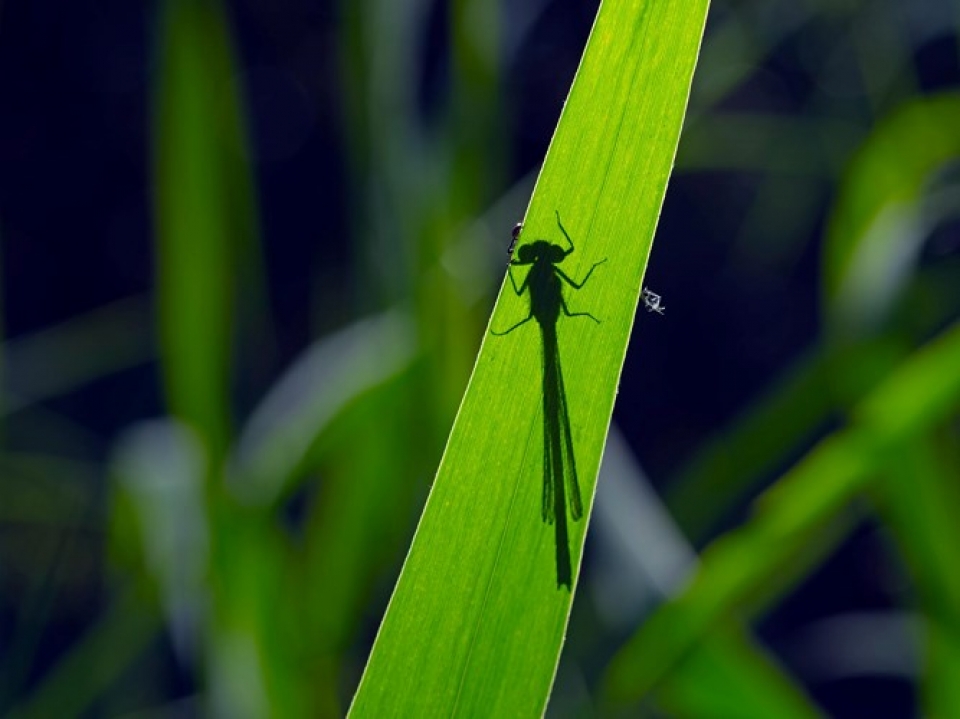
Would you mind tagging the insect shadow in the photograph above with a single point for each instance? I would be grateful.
(544, 285)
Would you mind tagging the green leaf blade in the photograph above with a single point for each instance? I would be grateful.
(477, 605)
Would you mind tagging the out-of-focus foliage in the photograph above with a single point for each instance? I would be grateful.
(233, 557)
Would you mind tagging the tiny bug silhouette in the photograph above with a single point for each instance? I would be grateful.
(515, 235)
(652, 301)
(544, 287)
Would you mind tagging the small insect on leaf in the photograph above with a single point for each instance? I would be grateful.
(652, 301)
(515, 234)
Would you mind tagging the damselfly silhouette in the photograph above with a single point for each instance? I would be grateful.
(560, 483)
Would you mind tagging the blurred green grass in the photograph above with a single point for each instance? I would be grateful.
(270, 621)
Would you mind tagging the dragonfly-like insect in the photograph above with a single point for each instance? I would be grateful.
(544, 285)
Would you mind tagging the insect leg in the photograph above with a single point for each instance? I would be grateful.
(573, 284)
(563, 230)
(568, 313)
(511, 329)
(519, 290)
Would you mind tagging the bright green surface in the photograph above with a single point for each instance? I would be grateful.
(477, 605)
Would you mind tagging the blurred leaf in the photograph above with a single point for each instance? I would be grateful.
(206, 226)
(782, 422)
(879, 184)
(204, 212)
(723, 471)
(61, 358)
(920, 500)
(941, 693)
(256, 634)
(321, 383)
(736, 46)
(728, 677)
(160, 522)
(226, 589)
(477, 604)
(758, 142)
(358, 523)
(4, 400)
(93, 663)
(49, 546)
(47, 490)
(876, 230)
(796, 519)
